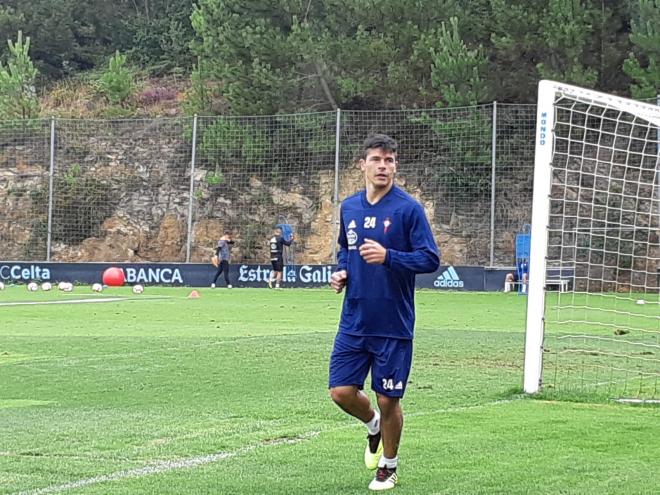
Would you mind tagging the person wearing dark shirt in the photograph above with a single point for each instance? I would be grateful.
(223, 252)
(384, 241)
(276, 244)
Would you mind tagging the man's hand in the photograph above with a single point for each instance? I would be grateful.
(372, 252)
(338, 280)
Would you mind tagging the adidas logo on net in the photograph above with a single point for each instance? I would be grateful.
(448, 279)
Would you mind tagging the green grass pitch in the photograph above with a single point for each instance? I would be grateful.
(227, 394)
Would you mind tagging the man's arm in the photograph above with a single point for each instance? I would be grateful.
(342, 254)
(339, 278)
(425, 256)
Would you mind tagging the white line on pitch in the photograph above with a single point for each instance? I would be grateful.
(167, 466)
(80, 301)
(164, 466)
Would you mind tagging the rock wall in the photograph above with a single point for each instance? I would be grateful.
(144, 171)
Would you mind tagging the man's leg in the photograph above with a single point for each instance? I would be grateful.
(225, 268)
(391, 424)
(393, 358)
(217, 274)
(508, 282)
(271, 277)
(353, 401)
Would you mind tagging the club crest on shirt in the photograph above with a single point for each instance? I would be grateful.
(386, 224)
(351, 237)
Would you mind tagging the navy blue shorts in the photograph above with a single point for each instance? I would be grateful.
(278, 264)
(389, 360)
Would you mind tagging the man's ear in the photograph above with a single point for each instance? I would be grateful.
(362, 163)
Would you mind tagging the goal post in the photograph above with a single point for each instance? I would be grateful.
(595, 236)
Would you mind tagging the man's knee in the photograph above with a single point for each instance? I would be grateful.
(387, 405)
(342, 395)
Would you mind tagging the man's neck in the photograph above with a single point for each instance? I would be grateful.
(375, 194)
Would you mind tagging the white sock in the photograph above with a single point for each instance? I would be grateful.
(374, 425)
(507, 286)
(388, 463)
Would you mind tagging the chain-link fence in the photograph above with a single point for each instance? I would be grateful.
(166, 189)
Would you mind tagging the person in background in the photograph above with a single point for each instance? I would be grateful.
(520, 276)
(276, 244)
(223, 252)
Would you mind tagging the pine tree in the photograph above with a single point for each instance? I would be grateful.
(18, 98)
(644, 66)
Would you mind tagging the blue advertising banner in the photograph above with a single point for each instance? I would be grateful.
(461, 278)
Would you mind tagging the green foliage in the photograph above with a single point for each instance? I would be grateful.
(264, 57)
(270, 56)
(199, 98)
(68, 35)
(76, 35)
(118, 112)
(456, 69)
(644, 67)
(161, 35)
(18, 99)
(568, 40)
(470, 175)
(10, 20)
(229, 141)
(215, 178)
(116, 82)
(81, 203)
(565, 30)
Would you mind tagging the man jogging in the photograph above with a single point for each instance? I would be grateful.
(385, 240)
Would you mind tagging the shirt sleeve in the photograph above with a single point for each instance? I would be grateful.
(342, 254)
(424, 256)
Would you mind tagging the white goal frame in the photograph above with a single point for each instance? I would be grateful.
(544, 149)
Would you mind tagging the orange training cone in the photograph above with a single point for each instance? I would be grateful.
(193, 295)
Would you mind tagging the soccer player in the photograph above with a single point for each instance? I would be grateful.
(384, 239)
(223, 252)
(277, 243)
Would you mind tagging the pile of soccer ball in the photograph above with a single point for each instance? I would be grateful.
(65, 286)
(68, 287)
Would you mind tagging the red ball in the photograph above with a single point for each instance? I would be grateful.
(114, 277)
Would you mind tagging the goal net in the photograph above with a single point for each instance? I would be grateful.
(593, 312)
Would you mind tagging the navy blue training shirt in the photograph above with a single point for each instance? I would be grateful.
(379, 299)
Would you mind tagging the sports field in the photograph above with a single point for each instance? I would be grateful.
(226, 394)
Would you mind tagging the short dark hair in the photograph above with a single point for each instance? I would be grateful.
(378, 141)
(227, 232)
